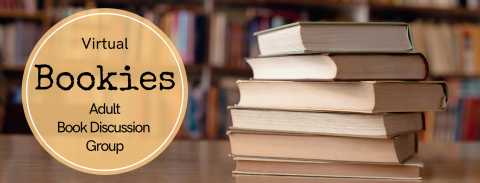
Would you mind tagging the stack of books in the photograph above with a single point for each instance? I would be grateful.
(336, 100)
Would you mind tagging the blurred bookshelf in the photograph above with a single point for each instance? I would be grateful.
(22, 15)
(220, 35)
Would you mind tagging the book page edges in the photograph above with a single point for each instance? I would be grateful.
(330, 51)
(412, 82)
(305, 109)
(335, 54)
(425, 62)
(327, 23)
(443, 83)
(322, 111)
(315, 175)
(413, 161)
(323, 179)
(282, 132)
(335, 161)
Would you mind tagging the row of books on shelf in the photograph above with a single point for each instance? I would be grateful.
(187, 31)
(17, 40)
(461, 120)
(62, 9)
(442, 4)
(28, 7)
(59, 13)
(207, 115)
(453, 49)
(231, 33)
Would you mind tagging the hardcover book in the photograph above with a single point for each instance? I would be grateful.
(321, 147)
(386, 125)
(333, 37)
(268, 166)
(361, 97)
(338, 67)
(251, 178)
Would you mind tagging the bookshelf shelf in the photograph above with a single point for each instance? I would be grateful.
(295, 2)
(21, 15)
(374, 7)
(13, 68)
(450, 12)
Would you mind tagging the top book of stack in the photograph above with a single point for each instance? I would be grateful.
(336, 37)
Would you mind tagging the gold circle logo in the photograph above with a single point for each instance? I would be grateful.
(104, 91)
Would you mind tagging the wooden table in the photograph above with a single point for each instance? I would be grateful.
(22, 159)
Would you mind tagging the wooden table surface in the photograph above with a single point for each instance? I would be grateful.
(22, 159)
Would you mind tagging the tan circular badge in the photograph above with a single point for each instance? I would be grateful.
(104, 91)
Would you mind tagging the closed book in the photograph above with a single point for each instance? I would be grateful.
(386, 125)
(270, 166)
(361, 97)
(337, 67)
(321, 147)
(330, 37)
(250, 178)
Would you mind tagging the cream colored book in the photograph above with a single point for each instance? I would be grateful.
(334, 37)
(340, 67)
(385, 125)
(321, 147)
(362, 97)
(268, 166)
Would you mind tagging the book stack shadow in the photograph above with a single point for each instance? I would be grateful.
(334, 100)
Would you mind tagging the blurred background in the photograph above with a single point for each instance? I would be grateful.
(213, 37)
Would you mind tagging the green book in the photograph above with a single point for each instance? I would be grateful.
(336, 37)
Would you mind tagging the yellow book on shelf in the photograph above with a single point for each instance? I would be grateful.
(475, 43)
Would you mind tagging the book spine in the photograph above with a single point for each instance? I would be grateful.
(191, 38)
(182, 35)
(200, 38)
(211, 126)
(459, 119)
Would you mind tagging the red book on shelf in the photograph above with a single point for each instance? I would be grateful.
(236, 47)
(7, 5)
(469, 118)
(211, 116)
(13, 5)
(3, 5)
(473, 117)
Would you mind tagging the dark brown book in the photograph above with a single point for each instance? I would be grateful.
(338, 67)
